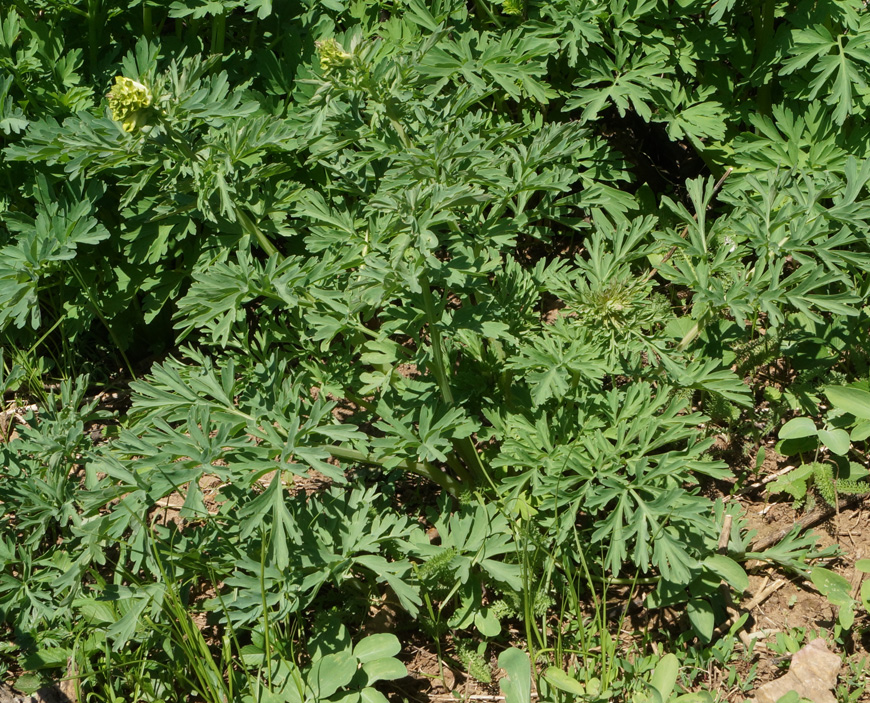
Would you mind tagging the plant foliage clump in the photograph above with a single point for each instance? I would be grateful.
(409, 298)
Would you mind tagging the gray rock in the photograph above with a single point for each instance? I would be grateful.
(812, 674)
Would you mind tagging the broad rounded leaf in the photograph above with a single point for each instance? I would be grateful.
(792, 447)
(559, 679)
(846, 615)
(665, 675)
(863, 565)
(377, 647)
(47, 658)
(372, 695)
(851, 400)
(29, 683)
(728, 570)
(831, 585)
(835, 440)
(517, 686)
(385, 669)
(95, 611)
(702, 617)
(330, 673)
(487, 623)
(790, 697)
(696, 697)
(860, 432)
(797, 428)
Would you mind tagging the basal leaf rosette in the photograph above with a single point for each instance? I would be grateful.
(129, 101)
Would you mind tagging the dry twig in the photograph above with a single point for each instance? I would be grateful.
(815, 517)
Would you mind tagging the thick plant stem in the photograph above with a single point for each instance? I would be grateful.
(454, 463)
(426, 470)
(102, 318)
(147, 26)
(251, 228)
(763, 39)
(218, 32)
(93, 35)
(439, 368)
(464, 448)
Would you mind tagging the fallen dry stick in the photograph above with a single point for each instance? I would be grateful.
(772, 477)
(764, 594)
(725, 534)
(858, 577)
(806, 521)
(734, 614)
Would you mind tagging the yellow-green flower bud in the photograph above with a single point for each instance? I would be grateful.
(513, 7)
(332, 56)
(128, 101)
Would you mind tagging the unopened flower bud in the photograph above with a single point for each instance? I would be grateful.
(128, 101)
(332, 56)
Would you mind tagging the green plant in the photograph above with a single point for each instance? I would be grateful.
(473, 659)
(338, 670)
(847, 428)
(822, 477)
(432, 306)
(855, 684)
(556, 683)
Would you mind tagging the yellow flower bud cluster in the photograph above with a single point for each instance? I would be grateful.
(128, 101)
(332, 56)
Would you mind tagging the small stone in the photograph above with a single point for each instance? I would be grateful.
(812, 675)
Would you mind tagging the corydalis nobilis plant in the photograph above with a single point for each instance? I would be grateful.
(425, 239)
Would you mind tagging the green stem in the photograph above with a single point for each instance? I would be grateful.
(87, 292)
(435, 619)
(462, 447)
(263, 591)
(438, 368)
(693, 333)
(483, 8)
(356, 400)
(147, 27)
(250, 228)
(400, 130)
(252, 34)
(93, 35)
(459, 469)
(424, 469)
(43, 337)
(764, 18)
(218, 32)
(193, 30)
